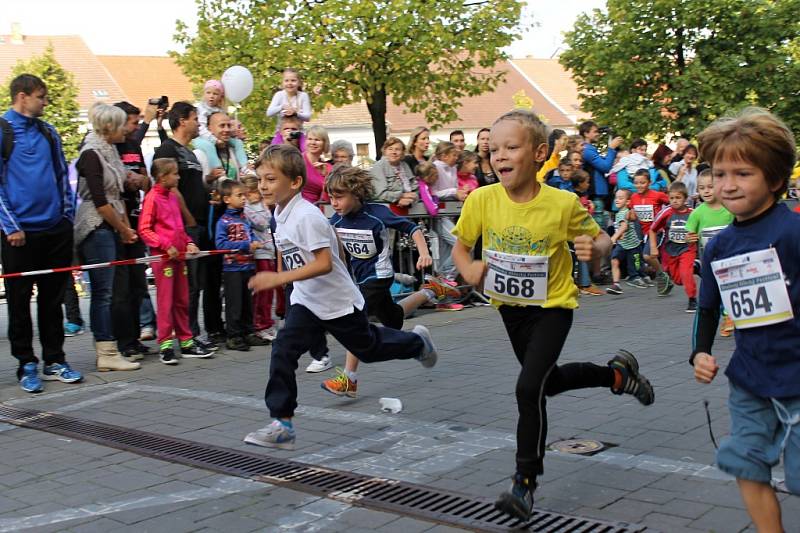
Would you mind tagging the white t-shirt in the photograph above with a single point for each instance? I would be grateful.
(302, 229)
(689, 177)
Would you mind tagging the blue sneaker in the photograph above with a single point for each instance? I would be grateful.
(71, 330)
(518, 500)
(61, 372)
(275, 435)
(30, 381)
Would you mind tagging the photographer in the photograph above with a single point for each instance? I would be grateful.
(597, 165)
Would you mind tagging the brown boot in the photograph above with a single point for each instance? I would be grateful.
(109, 358)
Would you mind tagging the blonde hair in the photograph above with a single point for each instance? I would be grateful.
(163, 166)
(285, 159)
(425, 169)
(391, 141)
(250, 182)
(755, 136)
(106, 119)
(296, 73)
(415, 133)
(533, 125)
(322, 133)
(354, 180)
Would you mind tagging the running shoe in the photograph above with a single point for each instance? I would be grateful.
(518, 500)
(147, 333)
(255, 340)
(633, 383)
(691, 307)
(167, 356)
(61, 372)
(429, 356)
(30, 380)
(71, 330)
(132, 354)
(663, 284)
(591, 290)
(318, 366)
(340, 385)
(449, 307)
(614, 288)
(195, 351)
(637, 282)
(268, 334)
(275, 435)
(207, 345)
(238, 344)
(441, 288)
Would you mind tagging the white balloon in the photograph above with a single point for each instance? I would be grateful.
(238, 83)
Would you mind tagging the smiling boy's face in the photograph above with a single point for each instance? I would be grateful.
(513, 158)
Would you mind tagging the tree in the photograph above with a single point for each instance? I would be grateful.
(666, 66)
(423, 54)
(62, 110)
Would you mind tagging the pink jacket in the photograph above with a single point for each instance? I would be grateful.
(431, 202)
(160, 222)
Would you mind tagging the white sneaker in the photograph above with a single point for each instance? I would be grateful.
(275, 435)
(429, 356)
(320, 366)
(147, 333)
(268, 334)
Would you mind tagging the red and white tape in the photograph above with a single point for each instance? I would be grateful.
(123, 262)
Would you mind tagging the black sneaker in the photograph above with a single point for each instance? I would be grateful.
(663, 284)
(697, 268)
(614, 288)
(142, 348)
(254, 340)
(132, 354)
(206, 345)
(195, 351)
(692, 306)
(237, 343)
(167, 356)
(633, 383)
(518, 500)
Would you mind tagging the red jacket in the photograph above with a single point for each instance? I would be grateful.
(160, 222)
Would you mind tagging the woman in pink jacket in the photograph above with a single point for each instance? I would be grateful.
(161, 228)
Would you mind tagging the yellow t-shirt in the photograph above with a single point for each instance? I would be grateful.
(542, 226)
(550, 164)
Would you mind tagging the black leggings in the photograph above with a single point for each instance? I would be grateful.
(537, 336)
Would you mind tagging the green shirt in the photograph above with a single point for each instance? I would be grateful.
(707, 222)
(630, 239)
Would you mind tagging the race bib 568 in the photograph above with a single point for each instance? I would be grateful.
(516, 279)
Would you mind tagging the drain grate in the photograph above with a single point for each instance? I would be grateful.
(426, 503)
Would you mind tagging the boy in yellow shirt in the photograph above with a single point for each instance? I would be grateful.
(527, 272)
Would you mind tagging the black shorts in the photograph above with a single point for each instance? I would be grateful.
(379, 303)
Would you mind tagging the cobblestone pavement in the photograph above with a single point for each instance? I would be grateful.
(455, 432)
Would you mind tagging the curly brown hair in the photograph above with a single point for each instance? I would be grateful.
(344, 179)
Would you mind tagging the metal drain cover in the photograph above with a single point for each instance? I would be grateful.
(578, 446)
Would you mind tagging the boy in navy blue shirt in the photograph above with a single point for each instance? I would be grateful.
(363, 229)
(234, 233)
(752, 267)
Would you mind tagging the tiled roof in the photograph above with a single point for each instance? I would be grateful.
(94, 81)
(555, 81)
(144, 77)
(355, 114)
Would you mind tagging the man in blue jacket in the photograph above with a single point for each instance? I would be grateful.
(36, 214)
(596, 165)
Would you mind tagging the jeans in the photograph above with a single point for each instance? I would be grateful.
(537, 336)
(444, 227)
(43, 249)
(130, 285)
(100, 246)
(72, 305)
(238, 303)
(584, 274)
(147, 316)
(303, 329)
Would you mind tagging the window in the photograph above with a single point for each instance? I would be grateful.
(362, 150)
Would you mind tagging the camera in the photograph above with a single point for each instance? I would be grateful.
(293, 136)
(162, 103)
(605, 130)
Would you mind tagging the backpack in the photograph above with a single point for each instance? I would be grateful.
(7, 146)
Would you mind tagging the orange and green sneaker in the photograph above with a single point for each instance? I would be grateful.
(440, 288)
(340, 385)
(726, 330)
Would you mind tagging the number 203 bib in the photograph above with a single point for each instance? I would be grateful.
(516, 279)
(753, 289)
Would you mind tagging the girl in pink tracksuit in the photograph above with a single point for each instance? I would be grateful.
(161, 228)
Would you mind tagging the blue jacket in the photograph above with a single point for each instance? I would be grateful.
(598, 166)
(34, 195)
(657, 181)
(234, 233)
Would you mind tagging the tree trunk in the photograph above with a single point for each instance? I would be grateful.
(377, 111)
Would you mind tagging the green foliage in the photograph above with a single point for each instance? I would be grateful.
(661, 66)
(423, 54)
(62, 109)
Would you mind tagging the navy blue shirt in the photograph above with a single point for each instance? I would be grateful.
(365, 238)
(766, 360)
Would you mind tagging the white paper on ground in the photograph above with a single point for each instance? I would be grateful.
(391, 405)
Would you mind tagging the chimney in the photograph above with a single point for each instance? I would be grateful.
(16, 33)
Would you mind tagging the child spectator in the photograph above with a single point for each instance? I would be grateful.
(427, 176)
(677, 254)
(446, 188)
(646, 205)
(526, 228)
(235, 233)
(363, 229)
(708, 219)
(324, 297)
(561, 178)
(627, 246)
(580, 181)
(213, 98)
(467, 164)
(752, 157)
(161, 228)
(291, 100)
(576, 158)
(257, 212)
(635, 160)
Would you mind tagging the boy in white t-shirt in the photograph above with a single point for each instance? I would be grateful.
(324, 297)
